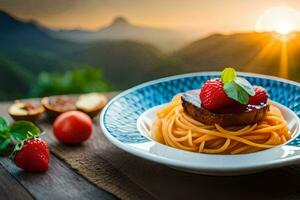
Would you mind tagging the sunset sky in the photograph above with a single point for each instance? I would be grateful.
(201, 16)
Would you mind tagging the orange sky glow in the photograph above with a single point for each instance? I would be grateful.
(199, 16)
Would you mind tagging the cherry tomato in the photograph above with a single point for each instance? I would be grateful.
(72, 127)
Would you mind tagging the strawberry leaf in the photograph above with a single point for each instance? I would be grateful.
(228, 75)
(23, 130)
(19, 136)
(243, 83)
(17, 148)
(236, 92)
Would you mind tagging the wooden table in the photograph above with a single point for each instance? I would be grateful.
(62, 182)
(59, 182)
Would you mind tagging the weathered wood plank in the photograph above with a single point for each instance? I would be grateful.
(10, 189)
(88, 159)
(59, 182)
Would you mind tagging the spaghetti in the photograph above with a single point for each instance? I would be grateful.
(175, 128)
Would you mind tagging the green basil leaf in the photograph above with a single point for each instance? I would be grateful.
(243, 83)
(228, 75)
(236, 92)
(21, 130)
(4, 144)
(3, 124)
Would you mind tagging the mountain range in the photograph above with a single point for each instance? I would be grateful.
(28, 49)
(264, 53)
(122, 29)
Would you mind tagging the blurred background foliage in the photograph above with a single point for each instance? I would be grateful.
(82, 80)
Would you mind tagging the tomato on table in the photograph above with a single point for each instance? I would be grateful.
(73, 127)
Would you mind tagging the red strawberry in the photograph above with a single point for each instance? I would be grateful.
(34, 156)
(213, 96)
(261, 96)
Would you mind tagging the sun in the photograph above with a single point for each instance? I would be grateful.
(282, 20)
(284, 27)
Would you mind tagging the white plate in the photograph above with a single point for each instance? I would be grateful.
(121, 123)
(222, 164)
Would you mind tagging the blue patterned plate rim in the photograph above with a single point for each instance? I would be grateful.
(174, 77)
(138, 149)
(213, 73)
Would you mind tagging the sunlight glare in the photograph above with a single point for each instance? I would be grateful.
(282, 20)
(284, 27)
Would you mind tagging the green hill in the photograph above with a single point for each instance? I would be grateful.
(14, 79)
(32, 50)
(126, 63)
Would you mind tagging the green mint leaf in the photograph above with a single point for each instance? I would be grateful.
(243, 83)
(227, 75)
(236, 92)
(3, 124)
(22, 130)
(4, 144)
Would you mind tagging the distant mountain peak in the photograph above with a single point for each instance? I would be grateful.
(4, 16)
(120, 21)
(7, 18)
